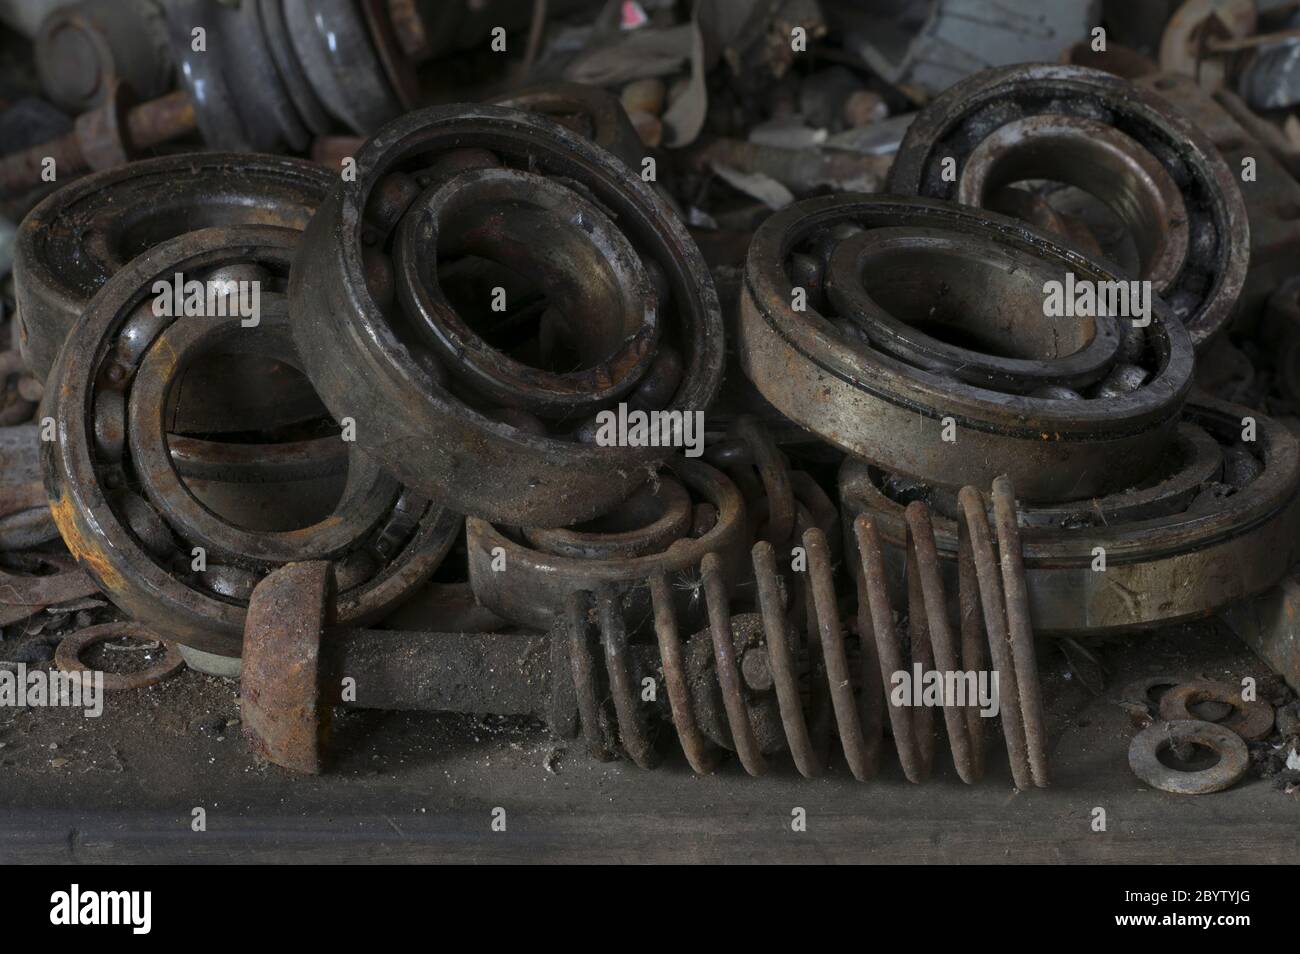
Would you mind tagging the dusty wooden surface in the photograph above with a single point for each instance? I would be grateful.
(423, 788)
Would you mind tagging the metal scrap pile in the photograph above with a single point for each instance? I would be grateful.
(642, 366)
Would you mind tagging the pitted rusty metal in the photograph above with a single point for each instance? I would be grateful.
(122, 506)
(525, 577)
(379, 359)
(874, 381)
(1162, 177)
(1220, 511)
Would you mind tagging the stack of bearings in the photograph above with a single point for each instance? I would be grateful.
(378, 390)
(926, 353)
(441, 339)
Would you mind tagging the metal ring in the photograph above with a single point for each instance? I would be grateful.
(1251, 720)
(77, 238)
(892, 413)
(896, 262)
(948, 134)
(1144, 750)
(369, 366)
(531, 588)
(139, 560)
(68, 655)
(571, 250)
(1236, 538)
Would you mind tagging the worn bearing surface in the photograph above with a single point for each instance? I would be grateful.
(76, 239)
(1162, 177)
(1144, 751)
(532, 574)
(868, 383)
(126, 516)
(465, 437)
(1225, 517)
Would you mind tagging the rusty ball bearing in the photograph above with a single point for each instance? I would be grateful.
(488, 283)
(120, 502)
(913, 333)
(1161, 176)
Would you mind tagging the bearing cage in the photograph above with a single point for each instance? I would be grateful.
(1204, 293)
(159, 590)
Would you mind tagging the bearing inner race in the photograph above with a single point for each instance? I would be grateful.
(937, 300)
(368, 492)
(569, 249)
(1098, 159)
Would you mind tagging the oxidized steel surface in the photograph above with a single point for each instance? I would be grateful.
(1144, 751)
(1023, 122)
(369, 365)
(80, 236)
(68, 655)
(533, 586)
(1233, 530)
(821, 374)
(139, 546)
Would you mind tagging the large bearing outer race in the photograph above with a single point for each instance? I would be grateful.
(101, 542)
(78, 237)
(890, 413)
(1161, 570)
(532, 588)
(1187, 153)
(431, 441)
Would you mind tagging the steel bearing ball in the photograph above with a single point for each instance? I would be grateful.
(1160, 175)
(605, 300)
(912, 333)
(116, 490)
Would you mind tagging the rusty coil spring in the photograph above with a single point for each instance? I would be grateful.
(999, 598)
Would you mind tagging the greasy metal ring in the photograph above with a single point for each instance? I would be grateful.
(947, 136)
(67, 656)
(368, 493)
(82, 234)
(1194, 458)
(368, 366)
(1251, 720)
(659, 513)
(1236, 545)
(1144, 751)
(133, 554)
(569, 248)
(880, 408)
(532, 588)
(899, 259)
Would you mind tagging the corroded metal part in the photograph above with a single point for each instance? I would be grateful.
(1252, 720)
(139, 544)
(1231, 767)
(371, 366)
(79, 237)
(1039, 122)
(281, 710)
(67, 656)
(529, 585)
(877, 406)
(1233, 530)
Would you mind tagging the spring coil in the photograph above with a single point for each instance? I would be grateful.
(992, 604)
